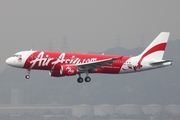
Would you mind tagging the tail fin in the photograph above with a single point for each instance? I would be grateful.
(157, 48)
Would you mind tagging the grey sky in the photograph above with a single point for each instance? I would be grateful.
(90, 25)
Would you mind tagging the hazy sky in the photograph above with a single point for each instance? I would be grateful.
(89, 25)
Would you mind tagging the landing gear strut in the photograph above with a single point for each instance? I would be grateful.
(87, 78)
(80, 79)
(28, 74)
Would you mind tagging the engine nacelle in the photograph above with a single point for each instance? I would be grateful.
(68, 70)
(63, 70)
(55, 73)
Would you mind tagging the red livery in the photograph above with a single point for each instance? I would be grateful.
(62, 64)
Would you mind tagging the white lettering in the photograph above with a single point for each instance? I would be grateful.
(70, 71)
(60, 59)
(46, 61)
(73, 57)
(42, 60)
(67, 60)
(39, 59)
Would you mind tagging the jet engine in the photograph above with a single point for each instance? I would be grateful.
(68, 70)
(55, 73)
(63, 70)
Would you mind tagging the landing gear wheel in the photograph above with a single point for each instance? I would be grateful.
(87, 79)
(28, 73)
(27, 76)
(80, 80)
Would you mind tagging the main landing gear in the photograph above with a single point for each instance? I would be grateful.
(86, 79)
(79, 80)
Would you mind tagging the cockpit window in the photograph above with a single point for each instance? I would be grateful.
(16, 55)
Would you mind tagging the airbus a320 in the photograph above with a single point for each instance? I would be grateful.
(60, 64)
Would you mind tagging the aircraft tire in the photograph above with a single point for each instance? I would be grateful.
(87, 79)
(80, 80)
(27, 76)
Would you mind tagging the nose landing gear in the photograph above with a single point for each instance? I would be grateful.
(28, 74)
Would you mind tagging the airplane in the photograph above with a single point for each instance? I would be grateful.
(61, 64)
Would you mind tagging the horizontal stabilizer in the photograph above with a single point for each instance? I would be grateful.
(160, 62)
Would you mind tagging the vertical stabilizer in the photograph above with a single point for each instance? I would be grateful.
(157, 48)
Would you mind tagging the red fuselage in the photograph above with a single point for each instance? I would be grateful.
(47, 60)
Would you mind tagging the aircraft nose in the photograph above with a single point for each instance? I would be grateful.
(14, 62)
(9, 61)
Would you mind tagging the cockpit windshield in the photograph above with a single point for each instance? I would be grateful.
(17, 55)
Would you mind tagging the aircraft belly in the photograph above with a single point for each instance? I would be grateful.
(107, 69)
(111, 69)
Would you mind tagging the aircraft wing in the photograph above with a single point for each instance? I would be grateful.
(160, 62)
(93, 65)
